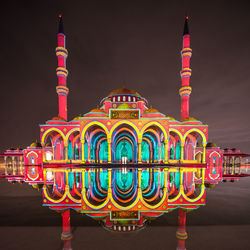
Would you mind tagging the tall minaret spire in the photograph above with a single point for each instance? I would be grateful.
(61, 71)
(185, 89)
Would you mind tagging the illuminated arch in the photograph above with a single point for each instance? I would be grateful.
(124, 129)
(192, 138)
(70, 133)
(157, 124)
(215, 153)
(154, 132)
(32, 152)
(127, 123)
(198, 131)
(52, 130)
(182, 139)
(92, 124)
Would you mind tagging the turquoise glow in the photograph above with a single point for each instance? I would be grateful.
(162, 151)
(178, 151)
(123, 181)
(70, 151)
(155, 146)
(104, 179)
(71, 179)
(103, 151)
(95, 139)
(144, 178)
(171, 153)
(145, 151)
(177, 157)
(124, 149)
(123, 136)
(77, 152)
(86, 153)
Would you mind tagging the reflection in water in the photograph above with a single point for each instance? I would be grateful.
(122, 201)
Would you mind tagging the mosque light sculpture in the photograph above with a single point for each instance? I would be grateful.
(123, 163)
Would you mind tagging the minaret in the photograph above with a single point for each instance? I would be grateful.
(61, 71)
(185, 89)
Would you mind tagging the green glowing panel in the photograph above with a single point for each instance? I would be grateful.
(104, 179)
(157, 153)
(103, 153)
(145, 152)
(124, 149)
(77, 152)
(178, 151)
(71, 179)
(171, 153)
(86, 153)
(144, 179)
(163, 151)
(70, 151)
(123, 180)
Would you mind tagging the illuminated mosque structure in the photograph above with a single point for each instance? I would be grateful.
(123, 163)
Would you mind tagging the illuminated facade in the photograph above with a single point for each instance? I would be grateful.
(124, 163)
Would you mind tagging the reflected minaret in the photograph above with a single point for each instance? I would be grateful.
(181, 233)
(66, 235)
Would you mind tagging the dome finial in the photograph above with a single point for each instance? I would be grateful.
(124, 84)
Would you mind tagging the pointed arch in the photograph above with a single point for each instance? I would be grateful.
(92, 124)
(197, 131)
(127, 123)
(52, 130)
(157, 124)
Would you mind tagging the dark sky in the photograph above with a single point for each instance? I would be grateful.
(134, 41)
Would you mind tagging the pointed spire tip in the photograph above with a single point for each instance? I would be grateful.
(186, 28)
(60, 27)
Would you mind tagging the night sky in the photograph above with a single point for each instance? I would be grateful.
(138, 42)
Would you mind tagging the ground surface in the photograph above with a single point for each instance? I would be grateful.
(224, 223)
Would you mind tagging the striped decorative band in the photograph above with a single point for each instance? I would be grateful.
(60, 71)
(185, 91)
(62, 90)
(181, 235)
(186, 52)
(61, 51)
(185, 72)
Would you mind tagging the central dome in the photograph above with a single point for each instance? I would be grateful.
(124, 91)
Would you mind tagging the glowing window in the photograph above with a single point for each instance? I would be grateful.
(214, 170)
(124, 98)
(119, 98)
(48, 156)
(133, 99)
(129, 98)
(32, 160)
(113, 99)
(33, 171)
